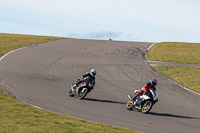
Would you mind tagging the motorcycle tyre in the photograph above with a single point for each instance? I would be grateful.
(129, 105)
(70, 93)
(143, 110)
(82, 95)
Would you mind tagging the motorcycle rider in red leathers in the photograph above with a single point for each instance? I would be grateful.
(145, 90)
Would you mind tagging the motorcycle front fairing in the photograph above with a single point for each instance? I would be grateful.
(145, 97)
(154, 95)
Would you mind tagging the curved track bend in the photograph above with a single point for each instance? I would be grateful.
(42, 74)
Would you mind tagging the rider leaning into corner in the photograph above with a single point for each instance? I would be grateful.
(91, 77)
(145, 90)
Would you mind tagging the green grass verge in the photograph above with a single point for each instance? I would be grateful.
(175, 52)
(185, 75)
(21, 118)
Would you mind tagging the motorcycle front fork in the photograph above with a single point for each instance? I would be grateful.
(73, 88)
(137, 102)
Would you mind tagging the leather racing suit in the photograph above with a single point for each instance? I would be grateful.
(145, 90)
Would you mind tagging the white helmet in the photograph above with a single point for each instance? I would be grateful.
(93, 72)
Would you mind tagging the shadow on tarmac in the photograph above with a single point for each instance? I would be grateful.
(105, 101)
(171, 115)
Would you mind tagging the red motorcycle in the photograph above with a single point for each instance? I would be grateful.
(145, 102)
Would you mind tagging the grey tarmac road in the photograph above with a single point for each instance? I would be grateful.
(42, 74)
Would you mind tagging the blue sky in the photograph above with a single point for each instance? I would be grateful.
(124, 20)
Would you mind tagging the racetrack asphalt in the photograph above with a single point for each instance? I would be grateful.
(42, 74)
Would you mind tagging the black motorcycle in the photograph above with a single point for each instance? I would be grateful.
(81, 90)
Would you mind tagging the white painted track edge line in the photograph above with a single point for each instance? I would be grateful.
(10, 53)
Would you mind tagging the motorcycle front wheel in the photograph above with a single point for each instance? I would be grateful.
(129, 105)
(83, 93)
(70, 93)
(146, 107)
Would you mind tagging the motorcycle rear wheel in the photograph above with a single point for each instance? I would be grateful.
(146, 107)
(129, 105)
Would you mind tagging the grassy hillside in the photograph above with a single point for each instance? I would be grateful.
(175, 52)
(180, 53)
(184, 75)
(18, 117)
(9, 42)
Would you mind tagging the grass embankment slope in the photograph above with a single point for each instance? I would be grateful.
(20, 118)
(188, 76)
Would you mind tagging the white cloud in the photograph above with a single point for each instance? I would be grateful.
(98, 35)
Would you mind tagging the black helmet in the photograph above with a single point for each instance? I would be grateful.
(154, 81)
